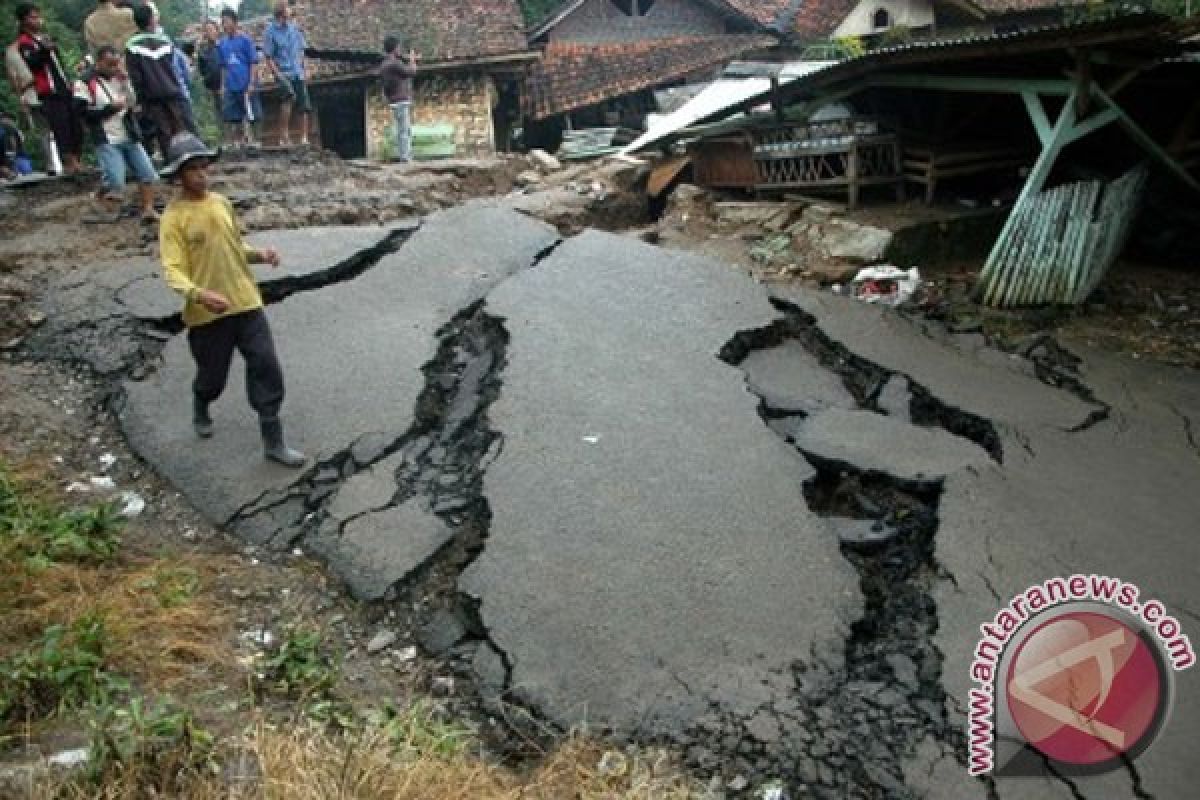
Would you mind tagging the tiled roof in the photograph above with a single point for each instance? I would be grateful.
(574, 75)
(818, 19)
(439, 30)
(767, 13)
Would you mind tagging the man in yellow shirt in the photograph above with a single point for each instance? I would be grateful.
(205, 260)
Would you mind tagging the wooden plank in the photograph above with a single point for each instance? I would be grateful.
(970, 83)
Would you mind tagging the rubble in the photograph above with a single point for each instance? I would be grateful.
(544, 161)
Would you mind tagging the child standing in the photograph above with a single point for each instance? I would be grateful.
(206, 261)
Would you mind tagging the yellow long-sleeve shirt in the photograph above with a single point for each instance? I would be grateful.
(202, 248)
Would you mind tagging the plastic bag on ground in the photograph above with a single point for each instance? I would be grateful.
(886, 284)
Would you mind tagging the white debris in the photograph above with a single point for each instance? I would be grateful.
(739, 783)
(102, 482)
(591, 439)
(774, 793)
(69, 758)
(132, 504)
(887, 285)
(380, 641)
(408, 654)
(261, 637)
(107, 460)
(613, 764)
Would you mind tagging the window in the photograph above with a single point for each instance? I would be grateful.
(633, 8)
(883, 19)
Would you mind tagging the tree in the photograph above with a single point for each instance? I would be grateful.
(535, 11)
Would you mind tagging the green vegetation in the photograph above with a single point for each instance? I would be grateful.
(66, 669)
(42, 535)
(161, 744)
(535, 11)
(298, 665)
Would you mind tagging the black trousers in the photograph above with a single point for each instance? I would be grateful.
(168, 118)
(212, 347)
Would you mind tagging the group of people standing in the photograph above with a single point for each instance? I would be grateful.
(230, 62)
(132, 91)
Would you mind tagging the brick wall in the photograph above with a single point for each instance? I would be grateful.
(464, 101)
(602, 21)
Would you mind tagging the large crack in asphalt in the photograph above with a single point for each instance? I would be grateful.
(433, 470)
(847, 732)
(102, 334)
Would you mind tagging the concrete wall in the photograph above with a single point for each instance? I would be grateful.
(465, 101)
(909, 13)
(602, 21)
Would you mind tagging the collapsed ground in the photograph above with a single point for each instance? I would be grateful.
(840, 450)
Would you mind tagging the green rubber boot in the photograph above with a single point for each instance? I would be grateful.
(274, 447)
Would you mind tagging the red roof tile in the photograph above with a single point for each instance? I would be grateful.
(818, 19)
(765, 12)
(574, 75)
(439, 30)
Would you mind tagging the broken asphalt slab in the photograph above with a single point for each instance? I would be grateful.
(352, 355)
(651, 551)
(1003, 393)
(876, 443)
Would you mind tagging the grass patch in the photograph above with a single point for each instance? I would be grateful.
(67, 668)
(159, 748)
(41, 534)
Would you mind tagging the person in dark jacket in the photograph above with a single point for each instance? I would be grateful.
(150, 60)
(397, 73)
(208, 64)
(109, 101)
(51, 85)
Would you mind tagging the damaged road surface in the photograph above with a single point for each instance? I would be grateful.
(653, 498)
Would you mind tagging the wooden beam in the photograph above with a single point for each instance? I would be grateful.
(963, 83)
(1037, 115)
(1146, 141)
(1091, 124)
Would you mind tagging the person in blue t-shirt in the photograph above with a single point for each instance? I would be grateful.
(283, 45)
(238, 57)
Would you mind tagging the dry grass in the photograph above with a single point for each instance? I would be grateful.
(161, 620)
(309, 764)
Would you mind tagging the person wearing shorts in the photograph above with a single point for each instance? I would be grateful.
(109, 99)
(238, 57)
(283, 46)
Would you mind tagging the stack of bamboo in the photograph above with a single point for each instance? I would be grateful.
(1061, 242)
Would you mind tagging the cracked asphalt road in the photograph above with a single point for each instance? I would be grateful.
(649, 549)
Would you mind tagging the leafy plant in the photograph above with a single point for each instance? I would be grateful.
(159, 745)
(42, 535)
(299, 666)
(173, 586)
(422, 730)
(67, 668)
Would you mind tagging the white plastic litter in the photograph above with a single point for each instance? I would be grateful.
(591, 439)
(107, 460)
(70, 758)
(102, 482)
(888, 285)
(132, 504)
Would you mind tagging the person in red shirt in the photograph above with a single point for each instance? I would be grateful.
(54, 93)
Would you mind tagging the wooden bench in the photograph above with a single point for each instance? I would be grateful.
(927, 165)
